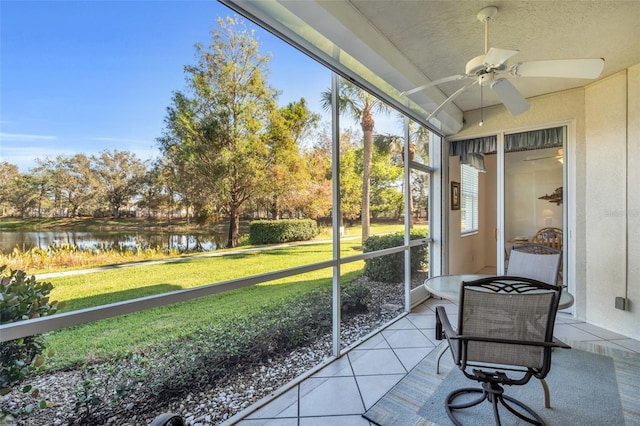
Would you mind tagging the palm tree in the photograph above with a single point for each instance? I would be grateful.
(360, 105)
(418, 144)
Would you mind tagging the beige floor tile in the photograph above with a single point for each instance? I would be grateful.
(330, 396)
(407, 339)
(378, 361)
(372, 388)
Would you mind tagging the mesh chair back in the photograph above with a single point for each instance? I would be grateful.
(503, 314)
(531, 262)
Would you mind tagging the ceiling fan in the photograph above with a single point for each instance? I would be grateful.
(555, 156)
(487, 71)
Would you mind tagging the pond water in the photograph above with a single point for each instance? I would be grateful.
(122, 240)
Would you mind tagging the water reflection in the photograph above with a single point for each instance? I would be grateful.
(120, 240)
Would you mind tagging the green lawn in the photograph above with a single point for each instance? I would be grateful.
(143, 330)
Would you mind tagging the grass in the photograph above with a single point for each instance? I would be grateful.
(142, 331)
(115, 285)
(146, 330)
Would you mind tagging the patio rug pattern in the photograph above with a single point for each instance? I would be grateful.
(589, 384)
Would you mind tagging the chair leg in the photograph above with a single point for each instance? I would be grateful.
(534, 419)
(547, 398)
(442, 352)
(449, 406)
(495, 394)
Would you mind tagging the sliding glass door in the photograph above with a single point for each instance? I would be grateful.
(533, 190)
(520, 193)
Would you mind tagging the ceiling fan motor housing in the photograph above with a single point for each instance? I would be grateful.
(475, 66)
(486, 78)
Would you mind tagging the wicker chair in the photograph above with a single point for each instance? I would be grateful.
(551, 237)
(536, 261)
(504, 337)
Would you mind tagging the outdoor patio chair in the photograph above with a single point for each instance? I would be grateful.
(535, 261)
(504, 337)
(168, 419)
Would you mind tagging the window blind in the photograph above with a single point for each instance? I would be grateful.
(468, 199)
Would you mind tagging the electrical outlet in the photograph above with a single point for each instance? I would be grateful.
(621, 303)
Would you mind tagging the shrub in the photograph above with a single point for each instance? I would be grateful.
(354, 298)
(200, 358)
(282, 231)
(22, 298)
(390, 268)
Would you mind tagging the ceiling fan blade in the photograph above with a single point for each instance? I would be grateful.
(556, 157)
(564, 68)
(434, 83)
(510, 97)
(496, 57)
(450, 98)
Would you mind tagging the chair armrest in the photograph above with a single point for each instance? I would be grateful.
(445, 330)
(560, 344)
(468, 338)
(443, 325)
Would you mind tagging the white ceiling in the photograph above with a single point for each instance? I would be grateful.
(394, 46)
(439, 37)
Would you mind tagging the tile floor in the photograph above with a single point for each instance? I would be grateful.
(343, 390)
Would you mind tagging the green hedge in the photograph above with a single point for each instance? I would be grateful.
(390, 268)
(282, 231)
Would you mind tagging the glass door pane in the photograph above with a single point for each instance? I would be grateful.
(533, 194)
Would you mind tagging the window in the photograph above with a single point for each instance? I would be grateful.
(468, 199)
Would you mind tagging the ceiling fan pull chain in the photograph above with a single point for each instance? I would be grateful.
(481, 123)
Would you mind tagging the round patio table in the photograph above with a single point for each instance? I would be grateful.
(448, 287)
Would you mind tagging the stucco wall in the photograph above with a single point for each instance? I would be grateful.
(611, 202)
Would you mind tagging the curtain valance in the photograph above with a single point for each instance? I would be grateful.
(537, 139)
(471, 151)
(484, 145)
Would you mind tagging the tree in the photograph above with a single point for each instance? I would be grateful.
(315, 200)
(152, 195)
(419, 140)
(23, 193)
(120, 175)
(41, 178)
(386, 179)
(8, 172)
(286, 174)
(214, 128)
(393, 147)
(361, 105)
(350, 177)
(74, 182)
(418, 145)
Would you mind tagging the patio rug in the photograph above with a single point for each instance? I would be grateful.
(589, 385)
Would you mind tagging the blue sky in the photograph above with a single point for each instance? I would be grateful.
(85, 76)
